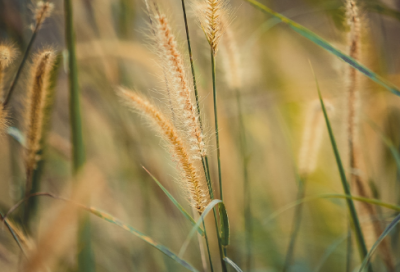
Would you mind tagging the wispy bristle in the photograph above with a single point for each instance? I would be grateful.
(178, 85)
(36, 100)
(7, 56)
(210, 14)
(231, 56)
(312, 138)
(43, 10)
(192, 182)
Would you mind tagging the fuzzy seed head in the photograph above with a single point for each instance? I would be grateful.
(175, 73)
(43, 10)
(312, 137)
(36, 102)
(7, 55)
(210, 14)
(193, 184)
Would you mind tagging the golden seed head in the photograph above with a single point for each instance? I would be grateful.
(36, 103)
(7, 55)
(180, 90)
(43, 10)
(192, 183)
(210, 14)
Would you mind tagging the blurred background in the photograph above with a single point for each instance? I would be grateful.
(113, 48)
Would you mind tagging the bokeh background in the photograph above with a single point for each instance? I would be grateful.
(113, 48)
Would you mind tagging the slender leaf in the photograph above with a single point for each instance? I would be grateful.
(380, 239)
(209, 207)
(17, 135)
(305, 32)
(231, 263)
(175, 202)
(224, 223)
(147, 239)
(362, 248)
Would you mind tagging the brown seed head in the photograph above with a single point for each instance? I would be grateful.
(36, 102)
(43, 10)
(184, 110)
(191, 181)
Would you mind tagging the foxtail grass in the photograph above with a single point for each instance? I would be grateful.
(371, 229)
(193, 184)
(43, 10)
(310, 146)
(36, 102)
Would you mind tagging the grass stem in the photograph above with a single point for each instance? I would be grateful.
(85, 255)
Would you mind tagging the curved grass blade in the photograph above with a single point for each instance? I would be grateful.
(111, 219)
(224, 223)
(380, 239)
(231, 263)
(305, 32)
(175, 202)
(12, 233)
(362, 248)
(209, 207)
(142, 236)
(309, 199)
(329, 252)
(17, 135)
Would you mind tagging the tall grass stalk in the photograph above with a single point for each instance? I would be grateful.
(204, 158)
(362, 248)
(246, 192)
(85, 255)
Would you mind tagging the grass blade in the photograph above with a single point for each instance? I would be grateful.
(232, 264)
(380, 239)
(362, 248)
(175, 202)
(305, 32)
(111, 219)
(86, 261)
(209, 207)
(224, 224)
(142, 236)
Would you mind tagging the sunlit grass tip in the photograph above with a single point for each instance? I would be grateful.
(193, 183)
(36, 102)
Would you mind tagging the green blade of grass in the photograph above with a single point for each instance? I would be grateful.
(232, 264)
(224, 224)
(305, 32)
(362, 248)
(86, 262)
(175, 202)
(111, 219)
(380, 239)
(147, 239)
(209, 207)
(328, 252)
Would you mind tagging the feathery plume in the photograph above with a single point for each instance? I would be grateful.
(210, 14)
(231, 59)
(312, 137)
(193, 183)
(374, 229)
(43, 10)
(178, 85)
(36, 102)
(7, 56)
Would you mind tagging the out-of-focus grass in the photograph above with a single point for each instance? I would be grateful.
(113, 49)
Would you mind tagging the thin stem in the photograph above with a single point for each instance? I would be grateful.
(213, 65)
(296, 224)
(85, 256)
(24, 59)
(208, 248)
